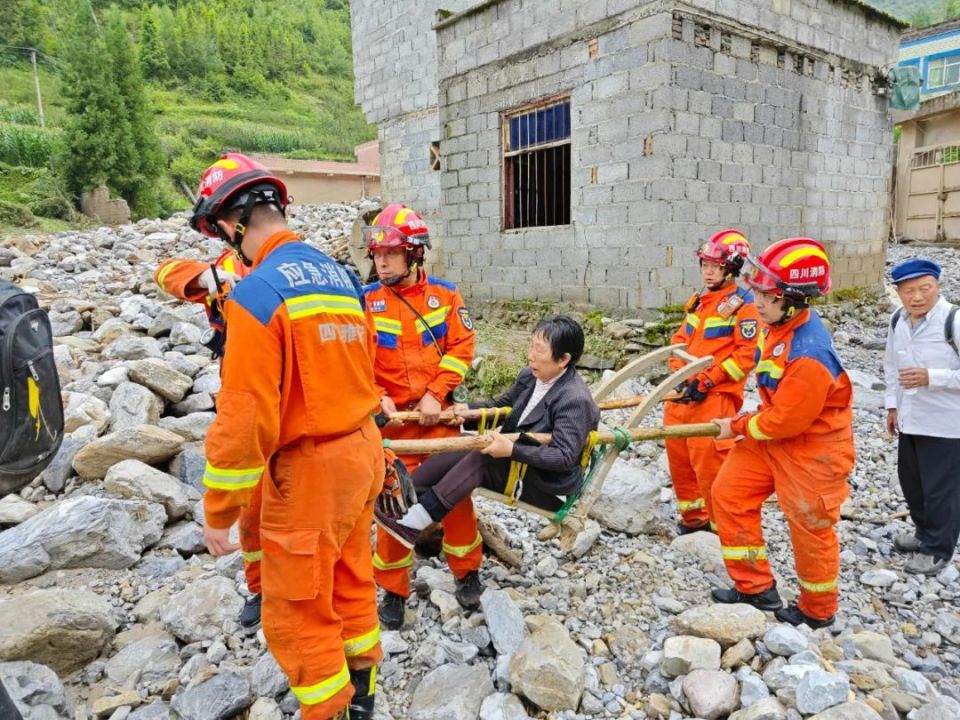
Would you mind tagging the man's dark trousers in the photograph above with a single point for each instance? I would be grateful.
(929, 470)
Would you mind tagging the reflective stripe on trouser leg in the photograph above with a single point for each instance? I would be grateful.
(391, 564)
(743, 483)
(250, 540)
(462, 543)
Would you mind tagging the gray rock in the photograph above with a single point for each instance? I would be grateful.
(702, 547)
(504, 620)
(948, 625)
(268, 679)
(132, 347)
(153, 711)
(502, 706)
(60, 469)
(114, 376)
(819, 690)
(132, 405)
(912, 682)
(548, 668)
(392, 643)
(938, 709)
(15, 510)
(451, 692)
(848, 711)
(143, 442)
(711, 693)
(65, 323)
(134, 479)
(768, 708)
(183, 333)
(220, 698)
(479, 637)
(79, 532)
(630, 500)
(189, 427)
(684, 653)
(752, 687)
(188, 467)
(208, 382)
(185, 537)
(874, 646)
(784, 640)
(199, 611)
(879, 578)
(159, 567)
(111, 330)
(35, 686)
(785, 677)
(193, 404)
(727, 624)
(81, 409)
(265, 709)
(160, 377)
(152, 659)
(64, 629)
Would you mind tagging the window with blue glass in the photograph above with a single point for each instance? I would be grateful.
(536, 165)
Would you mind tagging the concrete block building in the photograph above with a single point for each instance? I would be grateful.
(580, 151)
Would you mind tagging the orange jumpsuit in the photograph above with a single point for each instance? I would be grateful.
(408, 366)
(722, 323)
(295, 415)
(177, 276)
(799, 445)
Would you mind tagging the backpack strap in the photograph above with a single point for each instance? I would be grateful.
(896, 318)
(948, 327)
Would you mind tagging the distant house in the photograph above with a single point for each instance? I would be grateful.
(927, 194)
(320, 181)
(580, 150)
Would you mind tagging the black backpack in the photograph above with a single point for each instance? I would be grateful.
(31, 410)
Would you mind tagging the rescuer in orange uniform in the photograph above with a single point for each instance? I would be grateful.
(799, 444)
(721, 321)
(194, 281)
(295, 415)
(424, 348)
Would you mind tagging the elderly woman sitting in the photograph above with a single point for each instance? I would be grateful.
(548, 396)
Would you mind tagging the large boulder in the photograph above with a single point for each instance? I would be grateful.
(199, 611)
(147, 443)
(221, 697)
(80, 409)
(36, 687)
(64, 629)
(630, 500)
(684, 653)
(712, 694)
(727, 624)
(131, 405)
(451, 692)
(548, 668)
(160, 377)
(153, 658)
(504, 620)
(134, 479)
(80, 532)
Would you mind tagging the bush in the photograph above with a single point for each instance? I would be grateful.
(18, 115)
(37, 190)
(12, 214)
(27, 146)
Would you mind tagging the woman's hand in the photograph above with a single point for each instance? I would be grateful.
(500, 446)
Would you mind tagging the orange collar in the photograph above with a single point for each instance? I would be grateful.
(279, 238)
(414, 287)
(722, 290)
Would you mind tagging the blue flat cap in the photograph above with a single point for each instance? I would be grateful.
(918, 267)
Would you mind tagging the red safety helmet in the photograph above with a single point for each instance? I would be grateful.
(728, 248)
(233, 181)
(797, 268)
(397, 226)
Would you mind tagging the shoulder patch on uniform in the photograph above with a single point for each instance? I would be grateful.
(433, 302)
(465, 318)
(778, 349)
(748, 329)
(433, 280)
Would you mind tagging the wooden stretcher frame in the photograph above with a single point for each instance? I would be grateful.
(576, 519)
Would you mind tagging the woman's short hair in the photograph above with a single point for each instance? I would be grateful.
(564, 335)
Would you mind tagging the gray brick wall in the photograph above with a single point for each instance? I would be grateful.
(682, 124)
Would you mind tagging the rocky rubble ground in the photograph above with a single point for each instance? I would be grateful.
(110, 608)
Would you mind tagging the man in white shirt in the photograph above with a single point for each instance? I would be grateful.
(922, 369)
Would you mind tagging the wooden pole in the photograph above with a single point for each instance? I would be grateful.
(36, 83)
(478, 442)
(448, 416)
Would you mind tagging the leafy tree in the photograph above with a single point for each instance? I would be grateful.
(96, 119)
(25, 23)
(139, 157)
(153, 52)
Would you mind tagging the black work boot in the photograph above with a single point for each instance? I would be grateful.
(391, 610)
(795, 616)
(250, 615)
(769, 599)
(469, 590)
(364, 687)
(687, 529)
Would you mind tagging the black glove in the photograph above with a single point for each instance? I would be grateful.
(692, 392)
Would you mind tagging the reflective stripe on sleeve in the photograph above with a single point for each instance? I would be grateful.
(448, 362)
(754, 429)
(231, 479)
(732, 369)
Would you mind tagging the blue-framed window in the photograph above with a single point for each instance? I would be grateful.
(536, 165)
(943, 72)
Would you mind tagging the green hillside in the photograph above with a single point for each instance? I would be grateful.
(920, 12)
(220, 74)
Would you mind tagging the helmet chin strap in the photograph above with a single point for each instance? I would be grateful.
(396, 279)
